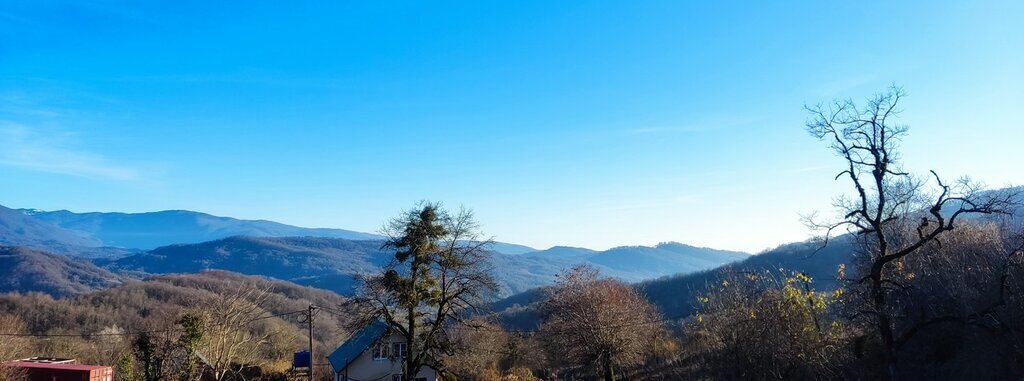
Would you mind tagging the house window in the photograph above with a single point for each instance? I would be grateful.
(399, 350)
(398, 377)
(380, 352)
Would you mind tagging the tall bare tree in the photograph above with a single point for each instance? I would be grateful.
(967, 288)
(12, 347)
(441, 272)
(229, 342)
(888, 200)
(597, 324)
(479, 349)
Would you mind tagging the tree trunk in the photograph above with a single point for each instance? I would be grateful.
(410, 347)
(410, 342)
(884, 325)
(609, 373)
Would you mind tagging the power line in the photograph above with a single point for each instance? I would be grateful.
(135, 333)
(328, 310)
(42, 335)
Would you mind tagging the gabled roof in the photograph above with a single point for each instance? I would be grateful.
(357, 344)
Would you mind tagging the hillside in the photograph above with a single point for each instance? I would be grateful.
(25, 269)
(322, 262)
(675, 295)
(160, 300)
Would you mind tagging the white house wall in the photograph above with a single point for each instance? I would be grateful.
(365, 368)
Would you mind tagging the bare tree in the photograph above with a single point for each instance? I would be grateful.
(597, 324)
(12, 347)
(480, 347)
(888, 200)
(959, 306)
(154, 352)
(441, 272)
(229, 342)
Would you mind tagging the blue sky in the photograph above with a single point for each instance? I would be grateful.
(590, 124)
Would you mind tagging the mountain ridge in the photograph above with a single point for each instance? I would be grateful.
(149, 230)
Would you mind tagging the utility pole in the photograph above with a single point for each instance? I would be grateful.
(310, 318)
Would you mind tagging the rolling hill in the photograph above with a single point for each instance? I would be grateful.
(676, 295)
(25, 269)
(323, 262)
(136, 305)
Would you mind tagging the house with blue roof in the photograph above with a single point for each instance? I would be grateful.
(374, 353)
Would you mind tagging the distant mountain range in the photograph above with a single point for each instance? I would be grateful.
(19, 229)
(98, 235)
(151, 230)
(635, 263)
(332, 263)
(138, 244)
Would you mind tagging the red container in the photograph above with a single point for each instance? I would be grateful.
(65, 372)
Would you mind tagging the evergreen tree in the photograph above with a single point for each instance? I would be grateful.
(440, 272)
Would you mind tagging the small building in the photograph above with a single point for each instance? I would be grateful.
(374, 353)
(53, 369)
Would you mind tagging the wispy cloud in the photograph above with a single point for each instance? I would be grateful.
(812, 168)
(654, 203)
(665, 130)
(707, 125)
(54, 152)
(844, 84)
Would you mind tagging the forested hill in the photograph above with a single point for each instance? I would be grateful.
(273, 309)
(326, 263)
(25, 269)
(676, 295)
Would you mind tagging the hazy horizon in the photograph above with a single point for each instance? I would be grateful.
(592, 125)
